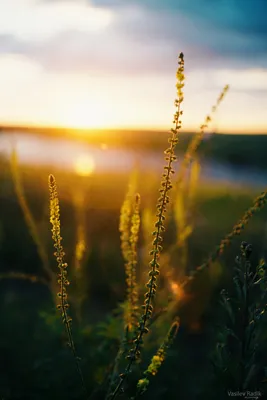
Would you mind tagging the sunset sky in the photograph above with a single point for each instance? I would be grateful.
(112, 63)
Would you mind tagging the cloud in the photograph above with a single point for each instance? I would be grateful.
(135, 37)
(241, 16)
(66, 52)
(74, 48)
(229, 28)
(34, 21)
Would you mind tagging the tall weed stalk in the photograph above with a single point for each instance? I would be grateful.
(63, 282)
(159, 228)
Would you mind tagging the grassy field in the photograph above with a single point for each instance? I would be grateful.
(37, 363)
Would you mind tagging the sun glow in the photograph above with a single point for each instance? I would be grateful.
(84, 165)
(85, 115)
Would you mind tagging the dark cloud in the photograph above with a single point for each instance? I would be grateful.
(244, 16)
(236, 28)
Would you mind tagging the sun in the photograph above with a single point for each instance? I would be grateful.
(85, 115)
(84, 165)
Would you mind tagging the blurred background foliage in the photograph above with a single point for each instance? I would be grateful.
(36, 362)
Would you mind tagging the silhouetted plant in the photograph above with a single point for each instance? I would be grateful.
(235, 364)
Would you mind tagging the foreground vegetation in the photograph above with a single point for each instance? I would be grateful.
(170, 336)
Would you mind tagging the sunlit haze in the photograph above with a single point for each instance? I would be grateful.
(84, 165)
(98, 64)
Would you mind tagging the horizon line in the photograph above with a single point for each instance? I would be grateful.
(48, 127)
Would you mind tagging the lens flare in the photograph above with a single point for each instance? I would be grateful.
(84, 165)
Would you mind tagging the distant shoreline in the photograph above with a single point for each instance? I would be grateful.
(121, 136)
(235, 149)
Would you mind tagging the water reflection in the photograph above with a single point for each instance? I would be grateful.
(85, 159)
(71, 155)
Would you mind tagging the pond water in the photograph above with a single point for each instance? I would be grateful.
(84, 158)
